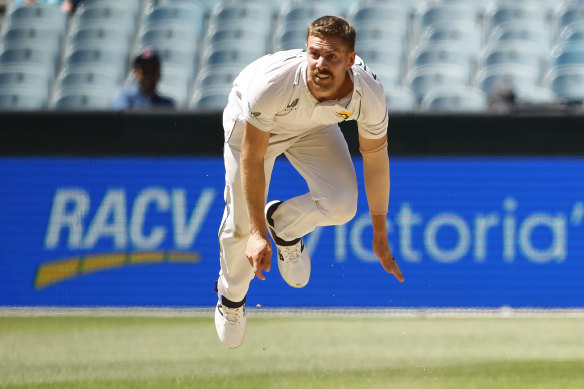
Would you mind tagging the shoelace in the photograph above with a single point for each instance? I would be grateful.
(232, 314)
(291, 253)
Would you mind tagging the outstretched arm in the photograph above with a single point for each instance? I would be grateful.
(253, 182)
(376, 177)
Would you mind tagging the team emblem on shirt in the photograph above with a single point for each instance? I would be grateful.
(345, 115)
(290, 107)
(252, 113)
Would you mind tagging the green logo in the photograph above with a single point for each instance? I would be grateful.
(293, 104)
(252, 113)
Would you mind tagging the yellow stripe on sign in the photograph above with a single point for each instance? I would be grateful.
(55, 272)
(183, 257)
(96, 263)
(147, 257)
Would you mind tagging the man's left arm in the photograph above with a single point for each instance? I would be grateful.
(377, 184)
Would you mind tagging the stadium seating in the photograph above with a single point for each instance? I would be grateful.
(210, 99)
(454, 99)
(522, 34)
(17, 98)
(400, 98)
(447, 13)
(38, 16)
(424, 79)
(445, 54)
(414, 47)
(571, 12)
(572, 34)
(88, 99)
(520, 77)
(33, 36)
(567, 83)
(568, 55)
(517, 13)
(378, 15)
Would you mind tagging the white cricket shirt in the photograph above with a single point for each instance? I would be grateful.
(272, 94)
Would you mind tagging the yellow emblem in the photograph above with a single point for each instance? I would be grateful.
(345, 115)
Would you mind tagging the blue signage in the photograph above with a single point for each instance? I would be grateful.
(467, 232)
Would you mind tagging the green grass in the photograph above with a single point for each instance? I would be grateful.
(70, 351)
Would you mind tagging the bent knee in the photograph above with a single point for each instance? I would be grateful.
(340, 209)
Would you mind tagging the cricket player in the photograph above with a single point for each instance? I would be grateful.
(290, 103)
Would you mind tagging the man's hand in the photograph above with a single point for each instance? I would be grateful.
(259, 254)
(383, 253)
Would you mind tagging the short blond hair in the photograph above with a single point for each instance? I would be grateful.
(329, 26)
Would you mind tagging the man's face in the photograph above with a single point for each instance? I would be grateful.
(328, 61)
(147, 75)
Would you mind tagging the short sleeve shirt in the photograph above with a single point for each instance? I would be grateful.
(272, 94)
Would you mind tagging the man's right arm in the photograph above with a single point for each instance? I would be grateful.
(253, 182)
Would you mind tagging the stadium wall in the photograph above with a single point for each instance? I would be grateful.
(114, 209)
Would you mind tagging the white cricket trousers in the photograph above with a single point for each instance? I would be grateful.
(322, 158)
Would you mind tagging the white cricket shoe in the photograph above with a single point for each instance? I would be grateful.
(230, 323)
(293, 259)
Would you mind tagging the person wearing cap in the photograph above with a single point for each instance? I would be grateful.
(141, 92)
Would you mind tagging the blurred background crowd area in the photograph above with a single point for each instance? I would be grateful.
(431, 55)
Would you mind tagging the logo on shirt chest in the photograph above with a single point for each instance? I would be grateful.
(344, 115)
(290, 107)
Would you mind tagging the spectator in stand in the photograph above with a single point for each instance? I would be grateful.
(69, 6)
(502, 98)
(141, 93)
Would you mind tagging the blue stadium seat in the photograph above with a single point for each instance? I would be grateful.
(423, 79)
(80, 80)
(568, 55)
(454, 99)
(43, 61)
(567, 83)
(445, 54)
(98, 37)
(176, 86)
(522, 34)
(192, 16)
(208, 5)
(517, 13)
(382, 35)
(572, 34)
(231, 56)
(521, 78)
(379, 15)
(212, 99)
(213, 77)
(380, 57)
(96, 99)
(104, 16)
(41, 16)
(241, 11)
(446, 13)
(169, 37)
(460, 33)
(571, 12)
(113, 62)
(17, 98)
(23, 78)
(303, 13)
(537, 95)
(179, 60)
(400, 99)
(32, 36)
(517, 54)
(244, 35)
(134, 6)
(291, 39)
